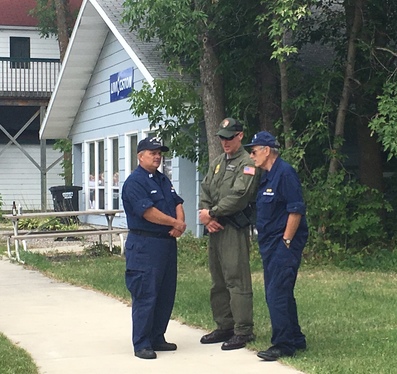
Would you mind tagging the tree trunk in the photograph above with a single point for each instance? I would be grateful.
(212, 95)
(346, 91)
(269, 107)
(287, 123)
(63, 35)
(370, 164)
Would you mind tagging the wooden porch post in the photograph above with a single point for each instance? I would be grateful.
(43, 165)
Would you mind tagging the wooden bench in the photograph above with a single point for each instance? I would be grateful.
(26, 235)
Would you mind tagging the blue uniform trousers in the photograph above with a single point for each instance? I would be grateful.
(280, 273)
(151, 271)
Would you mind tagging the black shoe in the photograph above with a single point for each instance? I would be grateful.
(217, 336)
(237, 342)
(146, 353)
(164, 347)
(273, 354)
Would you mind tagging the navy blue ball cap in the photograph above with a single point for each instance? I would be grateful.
(150, 144)
(264, 138)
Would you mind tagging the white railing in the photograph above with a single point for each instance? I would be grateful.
(28, 77)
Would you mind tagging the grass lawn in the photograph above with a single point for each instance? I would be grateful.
(15, 360)
(349, 316)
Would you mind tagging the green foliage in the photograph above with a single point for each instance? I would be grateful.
(173, 24)
(48, 224)
(311, 37)
(65, 146)
(284, 17)
(174, 107)
(384, 123)
(343, 215)
(45, 13)
(193, 250)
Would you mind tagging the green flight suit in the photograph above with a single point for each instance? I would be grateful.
(229, 187)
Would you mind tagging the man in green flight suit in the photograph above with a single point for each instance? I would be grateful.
(226, 193)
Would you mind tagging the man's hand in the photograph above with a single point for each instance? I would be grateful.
(214, 226)
(175, 233)
(179, 225)
(210, 223)
(204, 216)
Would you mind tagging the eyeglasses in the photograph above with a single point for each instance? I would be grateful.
(229, 137)
(253, 151)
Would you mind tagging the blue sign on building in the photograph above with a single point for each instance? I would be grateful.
(121, 84)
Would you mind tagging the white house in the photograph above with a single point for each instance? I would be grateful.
(29, 67)
(103, 62)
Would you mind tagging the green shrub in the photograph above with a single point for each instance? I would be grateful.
(49, 224)
(343, 215)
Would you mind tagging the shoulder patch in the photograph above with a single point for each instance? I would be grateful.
(249, 170)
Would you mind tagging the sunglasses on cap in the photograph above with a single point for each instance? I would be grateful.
(229, 137)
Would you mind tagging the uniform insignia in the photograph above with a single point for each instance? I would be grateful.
(230, 167)
(225, 123)
(268, 192)
(153, 191)
(217, 168)
(150, 175)
(249, 170)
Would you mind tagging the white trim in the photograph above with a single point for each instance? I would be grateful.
(124, 44)
(63, 67)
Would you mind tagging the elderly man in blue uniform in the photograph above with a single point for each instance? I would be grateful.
(155, 218)
(282, 235)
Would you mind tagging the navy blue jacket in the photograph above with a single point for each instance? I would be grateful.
(143, 190)
(279, 194)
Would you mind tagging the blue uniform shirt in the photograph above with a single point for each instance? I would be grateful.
(143, 190)
(279, 194)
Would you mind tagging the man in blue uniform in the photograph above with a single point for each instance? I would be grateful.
(155, 217)
(282, 235)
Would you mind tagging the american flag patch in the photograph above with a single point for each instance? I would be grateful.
(249, 170)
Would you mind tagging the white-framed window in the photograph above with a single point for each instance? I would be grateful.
(95, 174)
(113, 171)
(131, 158)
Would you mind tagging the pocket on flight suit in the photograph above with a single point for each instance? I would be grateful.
(137, 272)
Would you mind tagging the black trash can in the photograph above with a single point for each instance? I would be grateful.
(66, 199)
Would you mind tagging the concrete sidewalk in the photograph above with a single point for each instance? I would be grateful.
(70, 330)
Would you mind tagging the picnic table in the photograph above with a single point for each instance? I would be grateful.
(17, 236)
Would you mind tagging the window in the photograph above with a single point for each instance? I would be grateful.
(130, 154)
(96, 175)
(20, 50)
(167, 161)
(114, 167)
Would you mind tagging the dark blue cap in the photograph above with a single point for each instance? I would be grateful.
(151, 144)
(264, 138)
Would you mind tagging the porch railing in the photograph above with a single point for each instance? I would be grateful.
(28, 77)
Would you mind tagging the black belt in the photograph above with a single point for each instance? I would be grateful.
(151, 234)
